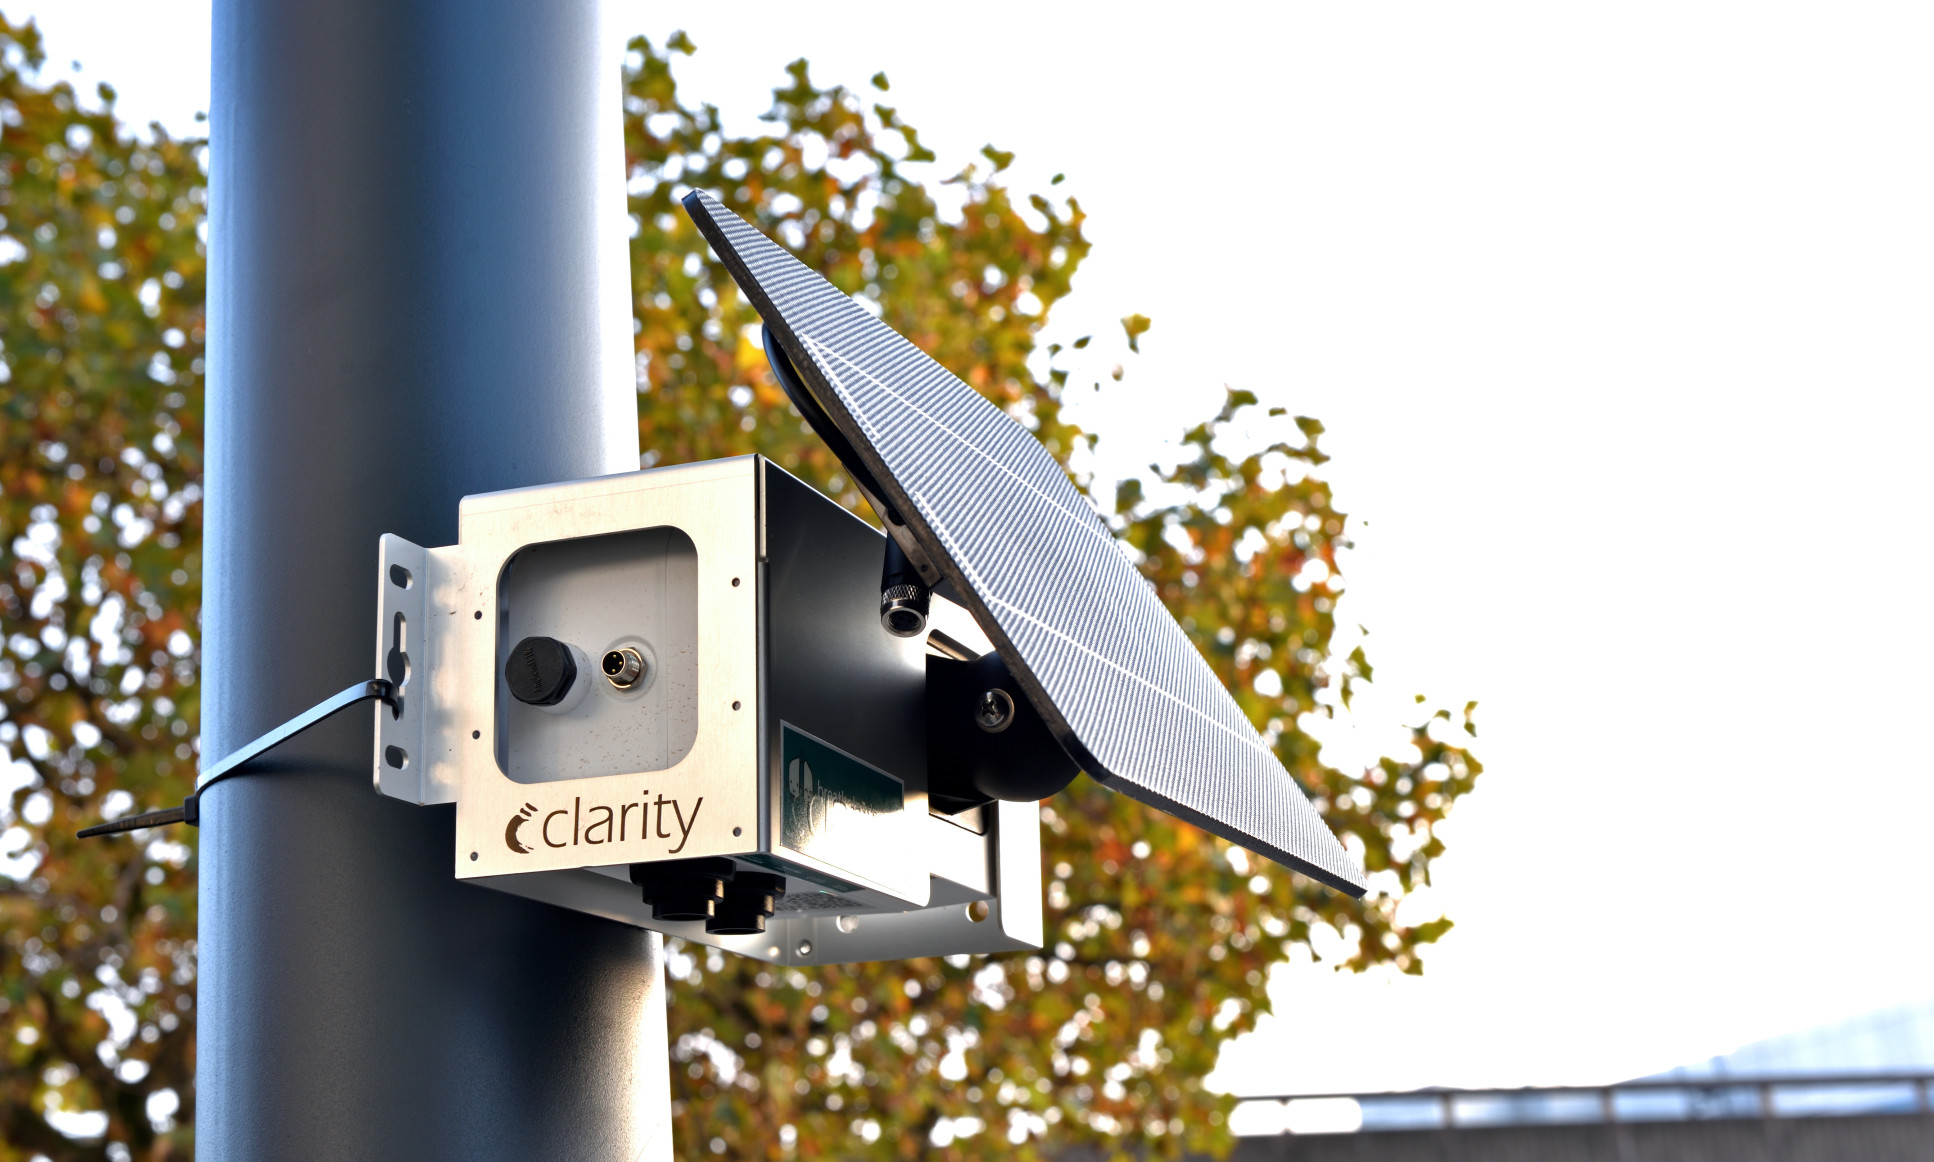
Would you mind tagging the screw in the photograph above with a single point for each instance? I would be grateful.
(994, 711)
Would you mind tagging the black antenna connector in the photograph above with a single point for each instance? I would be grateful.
(904, 598)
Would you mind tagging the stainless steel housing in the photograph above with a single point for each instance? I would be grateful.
(778, 723)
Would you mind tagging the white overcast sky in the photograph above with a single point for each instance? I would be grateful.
(1619, 316)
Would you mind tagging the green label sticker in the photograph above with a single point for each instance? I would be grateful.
(840, 810)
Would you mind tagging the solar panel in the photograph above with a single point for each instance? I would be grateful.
(1117, 680)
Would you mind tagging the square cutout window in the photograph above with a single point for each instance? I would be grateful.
(632, 594)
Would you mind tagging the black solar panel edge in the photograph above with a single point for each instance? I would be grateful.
(871, 469)
(1215, 827)
(822, 424)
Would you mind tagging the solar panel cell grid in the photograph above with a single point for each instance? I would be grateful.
(1117, 679)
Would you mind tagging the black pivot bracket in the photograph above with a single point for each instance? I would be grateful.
(985, 740)
(190, 810)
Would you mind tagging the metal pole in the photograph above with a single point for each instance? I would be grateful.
(417, 289)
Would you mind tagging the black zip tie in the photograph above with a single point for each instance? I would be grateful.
(190, 810)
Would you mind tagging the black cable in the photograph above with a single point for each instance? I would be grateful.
(138, 822)
(190, 810)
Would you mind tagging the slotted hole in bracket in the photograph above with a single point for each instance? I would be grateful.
(400, 577)
(396, 664)
(397, 757)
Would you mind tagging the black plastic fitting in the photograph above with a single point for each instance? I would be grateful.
(684, 889)
(750, 900)
(540, 671)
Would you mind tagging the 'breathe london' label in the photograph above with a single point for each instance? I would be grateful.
(840, 810)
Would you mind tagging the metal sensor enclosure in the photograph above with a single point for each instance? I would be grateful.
(665, 698)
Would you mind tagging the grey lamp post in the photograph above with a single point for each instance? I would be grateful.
(418, 289)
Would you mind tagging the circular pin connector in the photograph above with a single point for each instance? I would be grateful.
(623, 667)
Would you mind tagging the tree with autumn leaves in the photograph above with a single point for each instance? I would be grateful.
(1160, 938)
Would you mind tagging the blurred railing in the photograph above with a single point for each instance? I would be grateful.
(1675, 1100)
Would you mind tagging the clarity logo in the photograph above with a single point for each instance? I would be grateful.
(601, 823)
(510, 830)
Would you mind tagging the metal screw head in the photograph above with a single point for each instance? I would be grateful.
(994, 710)
(805, 948)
